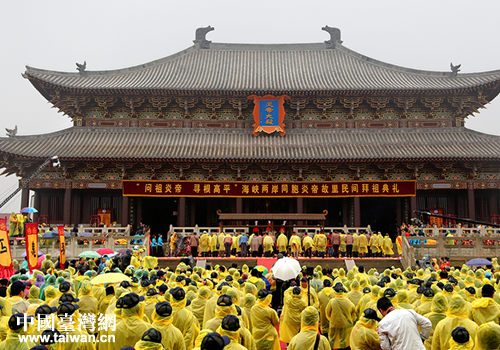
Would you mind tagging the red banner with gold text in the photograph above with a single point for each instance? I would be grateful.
(32, 245)
(62, 246)
(268, 189)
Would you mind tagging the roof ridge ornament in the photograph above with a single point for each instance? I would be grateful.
(81, 67)
(334, 37)
(454, 69)
(200, 37)
(11, 132)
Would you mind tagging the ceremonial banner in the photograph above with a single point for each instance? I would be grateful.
(32, 245)
(5, 254)
(269, 113)
(328, 189)
(62, 246)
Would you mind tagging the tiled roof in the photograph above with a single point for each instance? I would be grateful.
(301, 145)
(257, 68)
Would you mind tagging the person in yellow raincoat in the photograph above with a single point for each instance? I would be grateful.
(18, 326)
(199, 303)
(362, 245)
(355, 245)
(460, 340)
(150, 340)
(130, 326)
(213, 245)
(173, 239)
(183, 318)
(456, 317)
(437, 314)
(364, 334)
(204, 244)
(343, 245)
(355, 294)
(426, 302)
(268, 245)
(399, 244)
(295, 245)
(307, 242)
(486, 309)
(374, 245)
(220, 241)
(387, 246)
(171, 337)
(88, 305)
(320, 242)
(290, 317)
(488, 337)
(342, 314)
(224, 307)
(308, 335)
(324, 298)
(13, 229)
(265, 320)
(230, 327)
(282, 242)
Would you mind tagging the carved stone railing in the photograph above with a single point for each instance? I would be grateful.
(457, 232)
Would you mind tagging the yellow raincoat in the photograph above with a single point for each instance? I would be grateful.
(488, 337)
(171, 337)
(282, 243)
(438, 313)
(290, 317)
(324, 297)
(320, 242)
(295, 244)
(342, 315)
(364, 335)
(265, 320)
(268, 244)
(485, 310)
(306, 339)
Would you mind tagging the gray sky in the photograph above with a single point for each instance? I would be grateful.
(116, 34)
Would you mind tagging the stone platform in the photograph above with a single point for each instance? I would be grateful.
(327, 263)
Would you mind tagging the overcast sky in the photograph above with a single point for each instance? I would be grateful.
(116, 34)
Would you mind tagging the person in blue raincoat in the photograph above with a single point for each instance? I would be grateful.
(153, 245)
(159, 249)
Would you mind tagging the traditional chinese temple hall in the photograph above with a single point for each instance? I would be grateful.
(262, 129)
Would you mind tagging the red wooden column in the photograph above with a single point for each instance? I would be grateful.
(67, 202)
(471, 200)
(413, 207)
(181, 212)
(357, 212)
(239, 208)
(25, 197)
(125, 211)
(36, 205)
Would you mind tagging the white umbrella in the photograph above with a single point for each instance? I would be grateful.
(286, 269)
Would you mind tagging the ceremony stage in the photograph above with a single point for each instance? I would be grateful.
(327, 263)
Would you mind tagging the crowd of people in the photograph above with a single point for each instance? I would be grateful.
(244, 307)
(268, 244)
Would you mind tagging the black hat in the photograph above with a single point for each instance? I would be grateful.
(152, 335)
(178, 293)
(160, 273)
(214, 341)
(339, 288)
(39, 347)
(45, 310)
(390, 293)
(416, 281)
(145, 283)
(262, 294)
(366, 290)
(460, 335)
(16, 321)
(229, 278)
(17, 287)
(188, 302)
(230, 323)
(420, 290)
(241, 281)
(134, 279)
(125, 284)
(296, 290)
(153, 277)
(68, 297)
(50, 336)
(238, 310)
(371, 315)
(381, 284)
(293, 284)
(110, 290)
(163, 288)
(410, 275)
(304, 279)
(67, 309)
(151, 292)
(440, 285)
(487, 290)
(327, 283)
(471, 290)
(179, 278)
(64, 287)
(222, 285)
(124, 348)
(448, 287)
(129, 300)
(432, 279)
(224, 300)
(429, 293)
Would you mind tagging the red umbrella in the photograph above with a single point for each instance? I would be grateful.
(104, 251)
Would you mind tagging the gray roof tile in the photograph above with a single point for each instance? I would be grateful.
(257, 68)
(335, 145)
